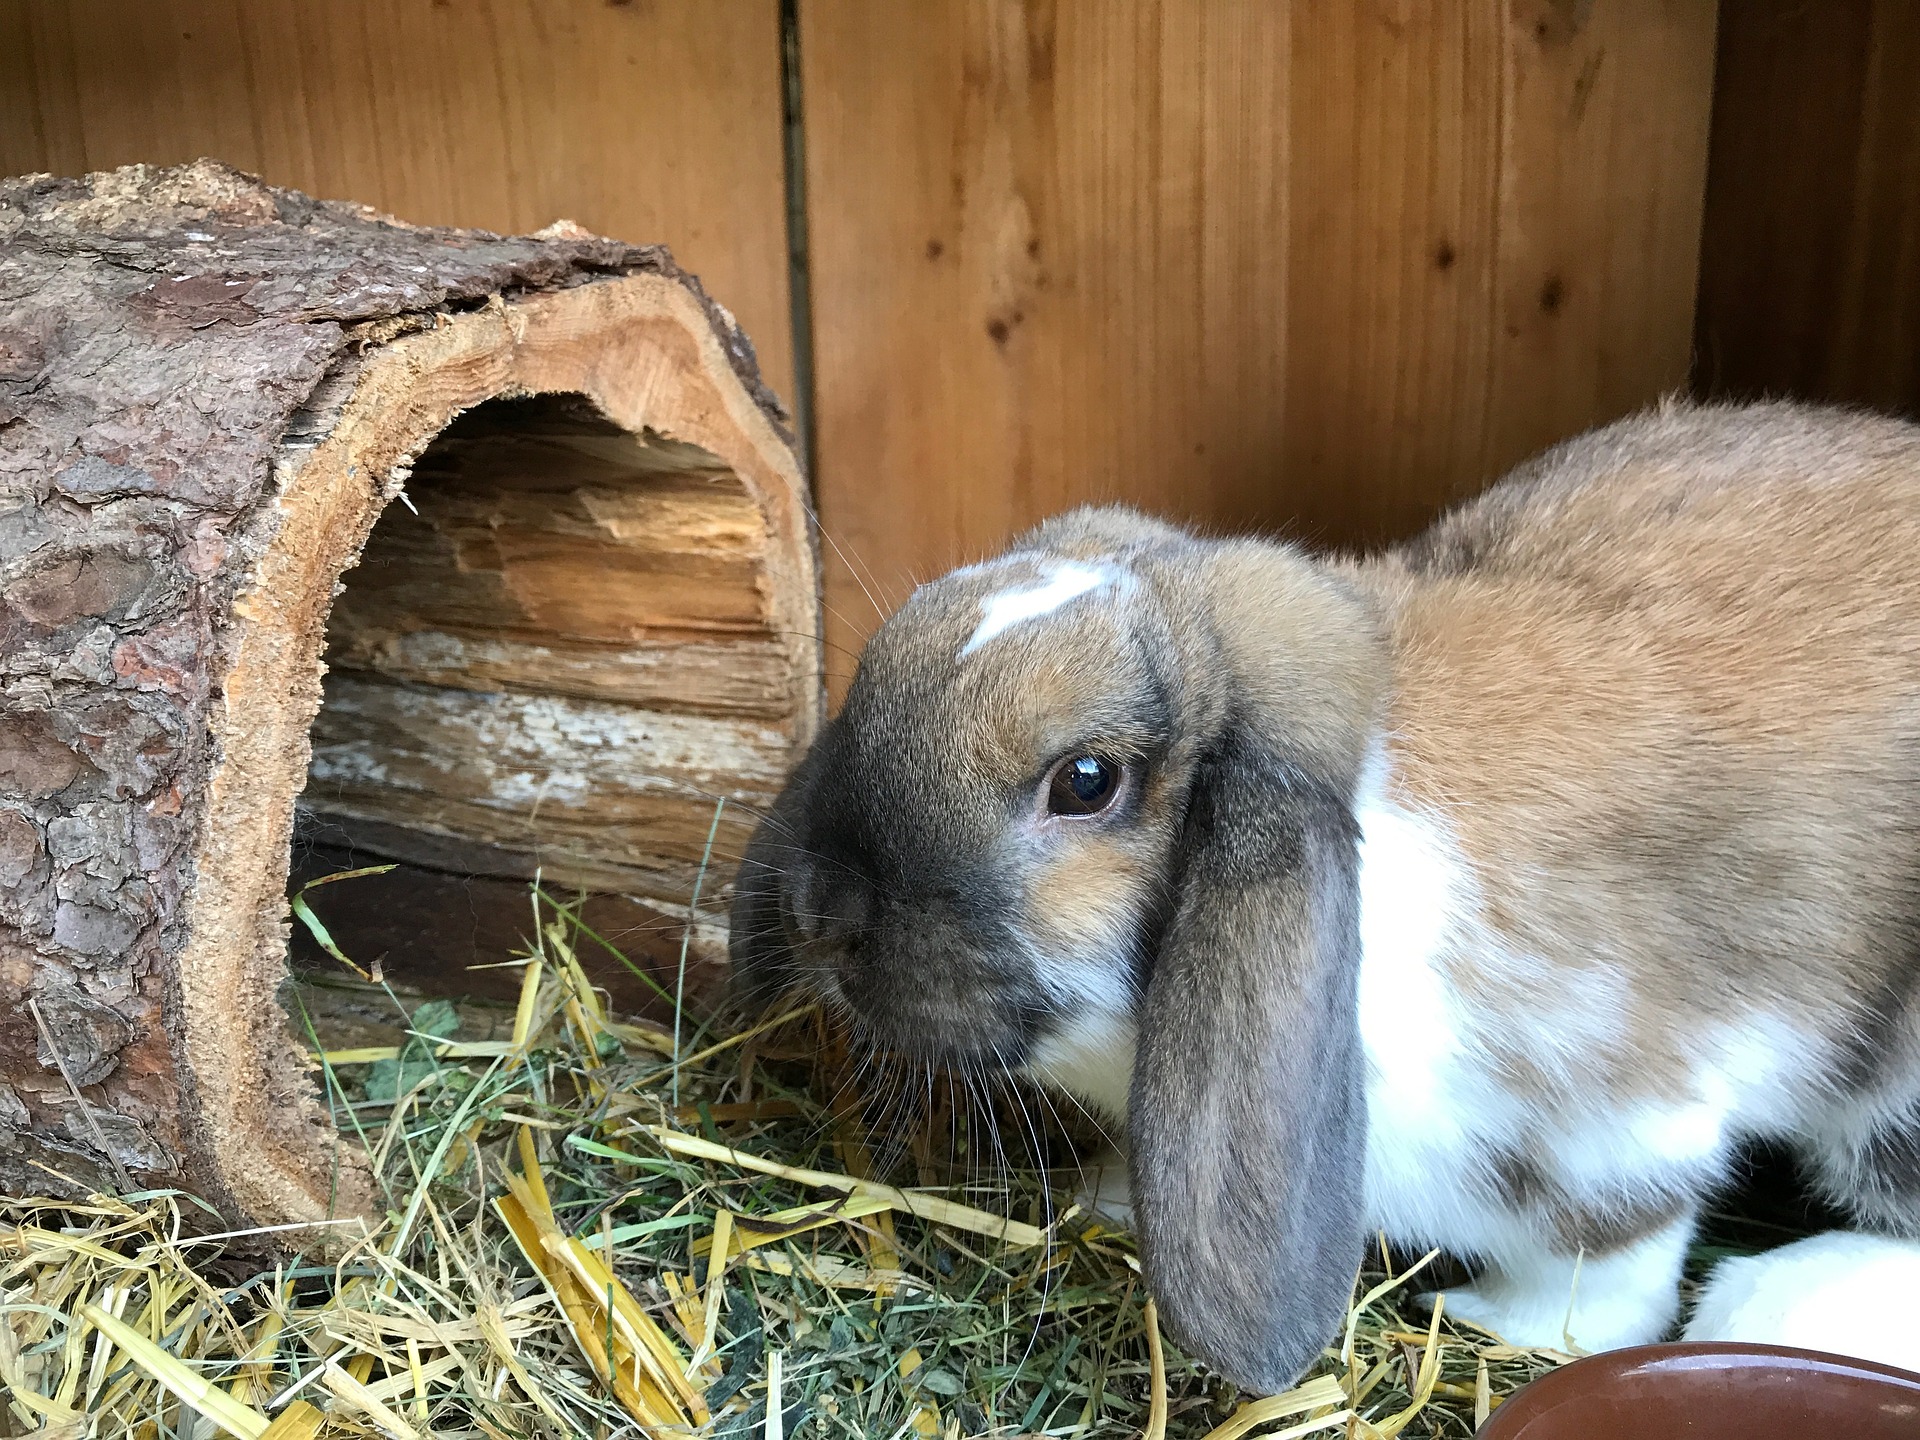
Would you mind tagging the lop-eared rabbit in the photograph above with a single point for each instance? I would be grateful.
(1489, 892)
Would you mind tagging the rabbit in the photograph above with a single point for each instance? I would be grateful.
(1488, 892)
(1841, 1292)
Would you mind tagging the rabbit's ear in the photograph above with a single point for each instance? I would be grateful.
(1247, 1115)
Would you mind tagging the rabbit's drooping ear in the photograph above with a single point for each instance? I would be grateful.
(1247, 1116)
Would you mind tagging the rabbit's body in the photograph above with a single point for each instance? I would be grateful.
(1640, 869)
(1581, 836)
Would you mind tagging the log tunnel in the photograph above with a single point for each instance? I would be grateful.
(552, 659)
(333, 540)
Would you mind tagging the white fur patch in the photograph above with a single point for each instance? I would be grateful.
(1434, 1105)
(1409, 899)
(1440, 1104)
(1840, 1292)
(1091, 1058)
(1106, 1189)
(1750, 1080)
(1067, 581)
(1445, 1102)
(1592, 1302)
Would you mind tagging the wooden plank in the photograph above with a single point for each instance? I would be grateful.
(1035, 235)
(1604, 172)
(1393, 252)
(1247, 264)
(649, 122)
(1810, 278)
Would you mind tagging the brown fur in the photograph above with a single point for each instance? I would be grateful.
(1684, 651)
(1580, 1228)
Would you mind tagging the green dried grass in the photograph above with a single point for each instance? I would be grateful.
(875, 1320)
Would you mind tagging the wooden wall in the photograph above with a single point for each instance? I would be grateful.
(1317, 266)
(1811, 269)
(649, 121)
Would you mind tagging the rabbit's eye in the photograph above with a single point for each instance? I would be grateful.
(1083, 785)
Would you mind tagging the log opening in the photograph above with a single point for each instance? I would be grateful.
(522, 500)
(555, 655)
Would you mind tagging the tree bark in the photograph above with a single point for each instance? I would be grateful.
(593, 620)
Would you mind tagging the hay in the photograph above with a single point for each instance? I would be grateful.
(569, 1251)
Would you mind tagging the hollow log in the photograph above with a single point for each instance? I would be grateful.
(587, 619)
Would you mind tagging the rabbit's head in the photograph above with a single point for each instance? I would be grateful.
(1108, 779)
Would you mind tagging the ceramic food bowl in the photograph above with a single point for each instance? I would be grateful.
(1713, 1392)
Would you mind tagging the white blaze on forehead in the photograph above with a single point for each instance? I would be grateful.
(1000, 613)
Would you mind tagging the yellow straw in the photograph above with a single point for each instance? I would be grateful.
(241, 1421)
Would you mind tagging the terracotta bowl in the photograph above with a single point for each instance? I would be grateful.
(1713, 1392)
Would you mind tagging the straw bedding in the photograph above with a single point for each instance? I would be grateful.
(586, 1237)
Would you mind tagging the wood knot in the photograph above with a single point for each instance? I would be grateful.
(1559, 22)
(1000, 330)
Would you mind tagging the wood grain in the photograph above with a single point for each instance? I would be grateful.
(1605, 136)
(558, 656)
(1810, 270)
(1392, 249)
(1315, 267)
(655, 122)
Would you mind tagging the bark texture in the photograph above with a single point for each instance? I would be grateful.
(209, 390)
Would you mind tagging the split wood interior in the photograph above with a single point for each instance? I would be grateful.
(554, 656)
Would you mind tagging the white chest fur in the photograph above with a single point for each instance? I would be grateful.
(1433, 1112)
(1442, 1112)
(1442, 1109)
(1091, 1058)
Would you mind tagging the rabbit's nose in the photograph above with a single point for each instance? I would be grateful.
(846, 914)
(797, 900)
(827, 911)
